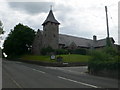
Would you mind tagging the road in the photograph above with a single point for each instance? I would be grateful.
(22, 75)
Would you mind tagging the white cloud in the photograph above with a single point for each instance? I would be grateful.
(91, 16)
(30, 7)
(83, 18)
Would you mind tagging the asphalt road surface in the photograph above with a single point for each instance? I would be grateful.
(22, 75)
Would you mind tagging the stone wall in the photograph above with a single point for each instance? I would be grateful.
(50, 35)
(37, 43)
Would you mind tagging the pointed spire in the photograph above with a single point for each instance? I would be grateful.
(50, 7)
(50, 17)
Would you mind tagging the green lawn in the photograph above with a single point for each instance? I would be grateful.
(66, 58)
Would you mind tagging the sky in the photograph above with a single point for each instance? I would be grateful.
(81, 18)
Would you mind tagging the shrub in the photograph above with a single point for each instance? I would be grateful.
(80, 51)
(104, 59)
(59, 58)
(61, 51)
(46, 51)
(111, 51)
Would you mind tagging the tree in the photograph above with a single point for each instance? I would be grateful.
(1, 28)
(1, 32)
(19, 41)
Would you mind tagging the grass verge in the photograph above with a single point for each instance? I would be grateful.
(66, 58)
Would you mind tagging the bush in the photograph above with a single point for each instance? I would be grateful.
(46, 51)
(61, 51)
(59, 59)
(111, 51)
(97, 55)
(104, 59)
(80, 51)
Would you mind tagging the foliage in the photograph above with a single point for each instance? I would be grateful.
(61, 51)
(111, 51)
(1, 28)
(104, 59)
(19, 40)
(80, 51)
(59, 58)
(46, 51)
(108, 42)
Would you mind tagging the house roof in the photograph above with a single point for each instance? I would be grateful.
(67, 40)
(50, 18)
(82, 42)
(101, 42)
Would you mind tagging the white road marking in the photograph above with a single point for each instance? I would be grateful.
(34, 69)
(76, 72)
(63, 69)
(38, 70)
(18, 85)
(93, 86)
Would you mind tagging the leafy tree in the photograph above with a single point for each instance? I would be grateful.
(1, 28)
(19, 40)
(1, 32)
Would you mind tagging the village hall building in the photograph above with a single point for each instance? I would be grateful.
(50, 36)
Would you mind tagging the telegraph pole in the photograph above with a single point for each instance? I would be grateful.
(107, 21)
(108, 39)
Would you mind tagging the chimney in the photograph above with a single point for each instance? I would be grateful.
(94, 38)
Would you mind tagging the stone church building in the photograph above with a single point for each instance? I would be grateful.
(50, 37)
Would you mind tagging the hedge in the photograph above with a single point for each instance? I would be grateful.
(106, 59)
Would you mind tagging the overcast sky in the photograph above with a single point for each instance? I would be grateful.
(81, 18)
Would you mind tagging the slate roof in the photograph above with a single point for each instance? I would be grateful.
(82, 42)
(102, 42)
(50, 18)
(67, 40)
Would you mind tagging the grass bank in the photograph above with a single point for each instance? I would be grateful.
(66, 58)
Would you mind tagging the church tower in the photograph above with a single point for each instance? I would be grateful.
(50, 31)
